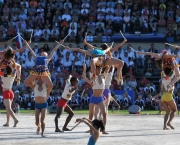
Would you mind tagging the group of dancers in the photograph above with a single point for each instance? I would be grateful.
(102, 70)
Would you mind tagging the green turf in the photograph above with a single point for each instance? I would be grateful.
(122, 112)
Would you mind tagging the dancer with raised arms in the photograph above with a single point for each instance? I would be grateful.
(69, 90)
(41, 105)
(102, 57)
(168, 74)
(98, 86)
(41, 68)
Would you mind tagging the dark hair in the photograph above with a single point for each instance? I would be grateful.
(104, 47)
(8, 54)
(73, 79)
(167, 70)
(98, 124)
(8, 70)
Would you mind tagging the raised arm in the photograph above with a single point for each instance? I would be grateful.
(2, 43)
(118, 46)
(32, 52)
(150, 53)
(86, 121)
(79, 50)
(53, 51)
(89, 45)
(84, 74)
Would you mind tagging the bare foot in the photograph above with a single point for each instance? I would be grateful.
(104, 132)
(15, 123)
(66, 129)
(165, 128)
(170, 126)
(6, 125)
(38, 130)
(58, 130)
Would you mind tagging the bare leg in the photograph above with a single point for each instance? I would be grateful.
(93, 65)
(37, 115)
(30, 79)
(173, 107)
(68, 119)
(96, 113)
(7, 103)
(119, 65)
(103, 111)
(49, 84)
(91, 113)
(43, 115)
(166, 116)
(58, 114)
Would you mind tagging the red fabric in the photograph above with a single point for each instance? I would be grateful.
(8, 94)
(62, 103)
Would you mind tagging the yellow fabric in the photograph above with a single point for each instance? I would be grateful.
(167, 97)
(40, 74)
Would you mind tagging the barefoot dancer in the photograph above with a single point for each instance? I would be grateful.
(40, 95)
(41, 68)
(101, 59)
(167, 58)
(8, 95)
(69, 90)
(167, 98)
(107, 93)
(98, 87)
(96, 126)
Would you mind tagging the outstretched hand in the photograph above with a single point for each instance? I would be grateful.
(139, 52)
(78, 120)
(10, 40)
(25, 42)
(62, 41)
(85, 41)
(29, 42)
(125, 40)
(175, 46)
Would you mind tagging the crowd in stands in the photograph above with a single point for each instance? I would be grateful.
(54, 19)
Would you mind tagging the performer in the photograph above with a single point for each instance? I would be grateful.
(98, 87)
(41, 105)
(69, 90)
(167, 97)
(168, 60)
(101, 59)
(96, 126)
(8, 95)
(41, 68)
(107, 93)
(7, 57)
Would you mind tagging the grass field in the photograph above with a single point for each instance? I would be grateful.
(121, 112)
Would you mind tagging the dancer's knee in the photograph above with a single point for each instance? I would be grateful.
(37, 123)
